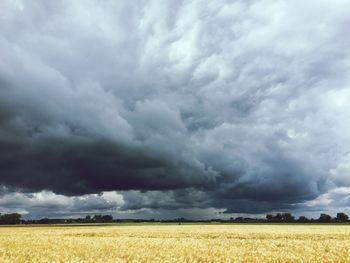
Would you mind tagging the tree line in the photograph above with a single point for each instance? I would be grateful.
(323, 218)
(15, 218)
(10, 219)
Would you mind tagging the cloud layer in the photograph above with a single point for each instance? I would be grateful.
(240, 106)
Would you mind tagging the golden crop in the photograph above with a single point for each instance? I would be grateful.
(176, 243)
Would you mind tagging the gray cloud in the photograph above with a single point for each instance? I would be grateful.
(46, 203)
(237, 105)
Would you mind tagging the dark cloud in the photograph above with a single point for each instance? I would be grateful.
(171, 199)
(73, 166)
(232, 106)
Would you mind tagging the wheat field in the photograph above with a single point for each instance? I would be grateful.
(176, 243)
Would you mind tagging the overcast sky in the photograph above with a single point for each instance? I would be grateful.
(161, 109)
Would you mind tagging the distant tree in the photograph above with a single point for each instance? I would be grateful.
(278, 217)
(324, 218)
(102, 218)
(303, 219)
(44, 221)
(97, 218)
(107, 218)
(287, 217)
(269, 217)
(342, 217)
(10, 219)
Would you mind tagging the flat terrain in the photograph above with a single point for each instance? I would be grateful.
(176, 243)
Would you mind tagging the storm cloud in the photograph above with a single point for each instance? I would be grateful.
(238, 106)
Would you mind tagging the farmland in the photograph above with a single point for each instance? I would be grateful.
(176, 243)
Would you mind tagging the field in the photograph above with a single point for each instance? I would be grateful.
(176, 243)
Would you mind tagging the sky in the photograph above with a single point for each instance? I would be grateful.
(164, 109)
